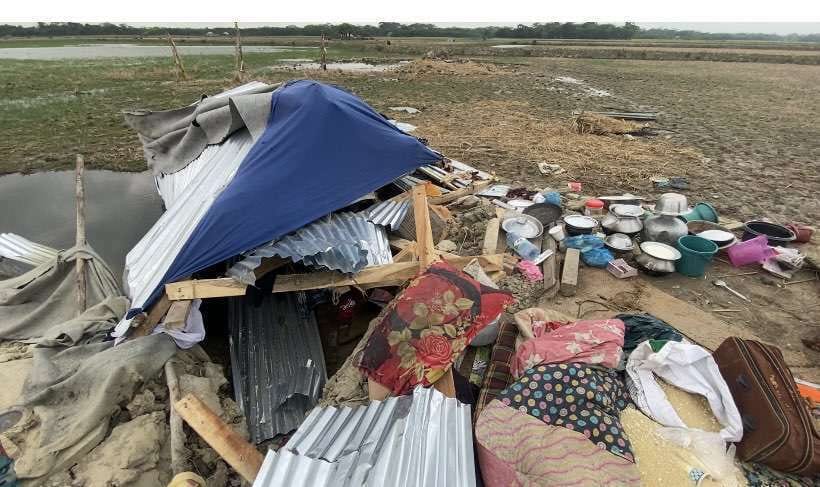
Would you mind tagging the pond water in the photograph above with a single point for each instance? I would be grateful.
(95, 51)
(353, 67)
(119, 207)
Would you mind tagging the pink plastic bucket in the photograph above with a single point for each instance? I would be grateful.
(751, 251)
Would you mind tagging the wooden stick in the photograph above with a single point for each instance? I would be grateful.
(177, 60)
(157, 311)
(240, 61)
(179, 454)
(800, 282)
(237, 452)
(454, 195)
(424, 233)
(323, 53)
(79, 192)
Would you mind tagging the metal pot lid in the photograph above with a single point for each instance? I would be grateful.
(626, 210)
(523, 225)
(660, 250)
(619, 241)
(520, 203)
(580, 221)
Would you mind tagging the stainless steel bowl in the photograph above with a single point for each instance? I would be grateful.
(619, 242)
(672, 204)
(658, 258)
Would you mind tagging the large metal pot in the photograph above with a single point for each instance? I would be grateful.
(658, 258)
(623, 219)
(664, 228)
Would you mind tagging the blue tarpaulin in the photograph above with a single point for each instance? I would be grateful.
(323, 148)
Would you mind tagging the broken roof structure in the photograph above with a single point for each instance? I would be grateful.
(423, 439)
(321, 145)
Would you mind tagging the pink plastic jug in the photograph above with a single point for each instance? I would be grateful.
(751, 251)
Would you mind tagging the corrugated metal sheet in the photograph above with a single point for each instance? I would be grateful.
(277, 362)
(346, 242)
(389, 213)
(408, 441)
(149, 260)
(21, 249)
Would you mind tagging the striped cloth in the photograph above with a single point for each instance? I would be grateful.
(518, 450)
(498, 375)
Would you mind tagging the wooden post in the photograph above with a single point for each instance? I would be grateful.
(179, 454)
(238, 453)
(79, 192)
(180, 69)
(323, 53)
(424, 233)
(240, 61)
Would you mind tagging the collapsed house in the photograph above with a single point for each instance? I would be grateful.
(309, 221)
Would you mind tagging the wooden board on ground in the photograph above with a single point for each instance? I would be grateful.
(454, 195)
(238, 453)
(550, 267)
(501, 246)
(491, 236)
(639, 295)
(569, 275)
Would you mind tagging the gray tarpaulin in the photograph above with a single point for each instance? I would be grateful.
(46, 296)
(77, 380)
(173, 138)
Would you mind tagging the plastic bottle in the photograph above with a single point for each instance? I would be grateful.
(522, 247)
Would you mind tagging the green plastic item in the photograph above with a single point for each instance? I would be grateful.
(702, 211)
(696, 254)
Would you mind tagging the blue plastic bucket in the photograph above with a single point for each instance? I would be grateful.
(696, 254)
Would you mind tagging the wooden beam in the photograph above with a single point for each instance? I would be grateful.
(179, 453)
(407, 254)
(491, 236)
(238, 453)
(79, 193)
(384, 275)
(501, 245)
(269, 265)
(454, 195)
(425, 247)
(155, 314)
(569, 278)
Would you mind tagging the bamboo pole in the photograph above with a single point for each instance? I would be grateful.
(323, 53)
(79, 193)
(240, 61)
(180, 69)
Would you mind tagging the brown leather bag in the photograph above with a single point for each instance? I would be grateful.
(778, 429)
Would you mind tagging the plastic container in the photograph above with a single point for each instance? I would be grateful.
(751, 251)
(557, 233)
(696, 254)
(702, 211)
(776, 234)
(594, 207)
(523, 247)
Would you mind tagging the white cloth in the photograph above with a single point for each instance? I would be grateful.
(194, 331)
(689, 367)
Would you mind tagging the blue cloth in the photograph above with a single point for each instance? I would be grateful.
(323, 147)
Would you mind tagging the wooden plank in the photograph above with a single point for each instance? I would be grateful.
(569, 278)
(384, 275)
(155, 315)
(454, 195)
(446, 384)
(269, 265)
(425, 247)
(407, 254)
(442, 212)
(238, 453)
(491, 236)
(550, 266)
(501, 243)
(177, 314)
(400, 243)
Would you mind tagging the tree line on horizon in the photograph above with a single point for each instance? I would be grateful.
(549, 30)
